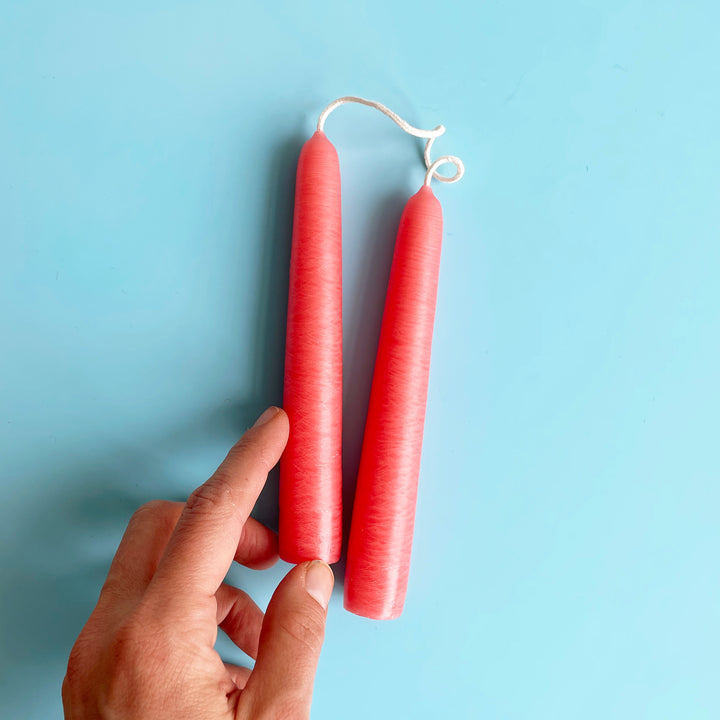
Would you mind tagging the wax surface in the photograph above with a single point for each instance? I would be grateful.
(311, 466)
(378, 560)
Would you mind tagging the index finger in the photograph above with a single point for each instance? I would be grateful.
(201, 549)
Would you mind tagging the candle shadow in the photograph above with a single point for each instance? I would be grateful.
(360, 340)
(271, 314)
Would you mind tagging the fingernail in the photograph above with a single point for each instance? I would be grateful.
(319, 581)
(269, 414)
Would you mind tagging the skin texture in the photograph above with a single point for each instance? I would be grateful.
(147, 649)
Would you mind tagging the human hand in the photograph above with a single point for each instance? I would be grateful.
(147, 649)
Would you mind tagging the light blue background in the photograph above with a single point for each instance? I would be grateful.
(566, 553)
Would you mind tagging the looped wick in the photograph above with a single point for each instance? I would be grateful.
(433, 166)
(416, 132)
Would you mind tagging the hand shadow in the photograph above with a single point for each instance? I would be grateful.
(56, 566)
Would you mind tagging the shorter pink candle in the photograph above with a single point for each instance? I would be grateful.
(383, 517)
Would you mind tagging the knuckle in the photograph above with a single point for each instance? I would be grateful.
(75, 672)
(240, 615)
(242, 445)
(149, 511)
(249, 543)
(258, 546)
(163, 509)
(65, 691)
(84, 652)
(75, 661)
(132, 658)
(156, 506)
(249, 449)
(127, 643)
(85, 657)
(210, 497)
(72, 688)
(306, 630)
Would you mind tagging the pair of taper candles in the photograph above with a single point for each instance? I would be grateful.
(378, 558)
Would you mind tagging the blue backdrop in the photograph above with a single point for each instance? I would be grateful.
(566, 552)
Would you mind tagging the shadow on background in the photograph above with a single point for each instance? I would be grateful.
(56, 566)
(271, 314)
(360, 339)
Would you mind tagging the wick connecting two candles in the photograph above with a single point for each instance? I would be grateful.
(431, 135)
(378, 558)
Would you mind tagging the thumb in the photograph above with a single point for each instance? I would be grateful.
(292, 635)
